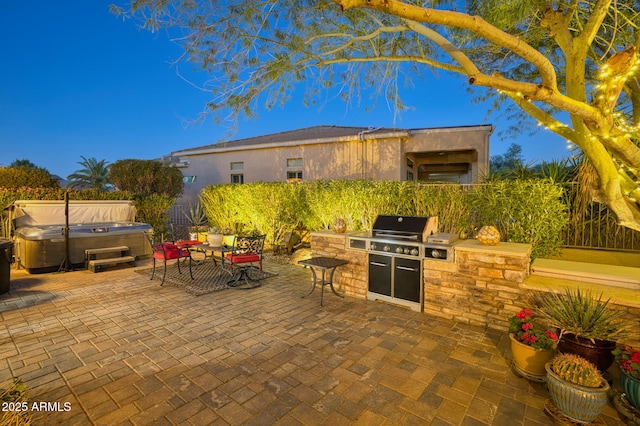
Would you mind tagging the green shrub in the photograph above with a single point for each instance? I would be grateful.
(529, 211)
(450, 203)
(146, 177)
(524, 211)
(267, 208)
(219, 204)
(154, 210)
(18, 177)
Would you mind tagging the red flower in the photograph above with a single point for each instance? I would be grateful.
(526, 329)
(628, 360)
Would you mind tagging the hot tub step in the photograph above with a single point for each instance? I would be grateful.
(96, 265)
(98, 258)
(96, 251)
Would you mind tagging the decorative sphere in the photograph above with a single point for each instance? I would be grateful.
(339, 225)
(489, 236)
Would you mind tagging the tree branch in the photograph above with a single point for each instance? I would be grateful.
(474, 24)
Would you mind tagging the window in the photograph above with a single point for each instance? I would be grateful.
(189, 179)
(410, 163)
(444, 177)
(237, 178)
(294, 162)
(409, 175)
(294, 172)
(237, 165)
(294, 175)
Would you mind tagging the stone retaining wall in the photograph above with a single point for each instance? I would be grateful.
(481, 287)
(350, 279)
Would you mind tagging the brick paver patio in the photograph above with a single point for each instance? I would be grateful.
(123, 350)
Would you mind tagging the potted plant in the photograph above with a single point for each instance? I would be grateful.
(628, 359)
(576, 387)
(215, 236)
(588, 326)
(532, 344)
(197, 221)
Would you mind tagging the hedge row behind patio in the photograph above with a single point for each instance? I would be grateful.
(526, 211)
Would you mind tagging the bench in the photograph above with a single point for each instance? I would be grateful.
(595, 273)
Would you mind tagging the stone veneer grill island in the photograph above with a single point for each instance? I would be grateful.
(484, 286)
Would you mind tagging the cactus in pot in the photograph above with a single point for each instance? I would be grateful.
(575, 369)
(576, 387)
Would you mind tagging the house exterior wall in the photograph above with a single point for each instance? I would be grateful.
(474, 138)
(367, 156)
(377, 159)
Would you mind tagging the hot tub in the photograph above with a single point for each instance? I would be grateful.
(39, 231)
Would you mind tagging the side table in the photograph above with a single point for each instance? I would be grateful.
(323, 264)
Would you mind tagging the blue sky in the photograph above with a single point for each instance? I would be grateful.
(76, 80)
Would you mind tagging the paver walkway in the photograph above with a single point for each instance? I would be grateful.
(123, 350)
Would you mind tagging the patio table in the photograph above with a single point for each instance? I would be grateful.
(323, 264)
(209, 251)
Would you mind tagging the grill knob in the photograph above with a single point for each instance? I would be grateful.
(436, 254)
(372, 246)
(414, 252)
(386, 248)
(407, 251)
(399, 250)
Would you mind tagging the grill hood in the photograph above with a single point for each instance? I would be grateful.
(414, 228)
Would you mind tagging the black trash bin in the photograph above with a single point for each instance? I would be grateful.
(6, 254)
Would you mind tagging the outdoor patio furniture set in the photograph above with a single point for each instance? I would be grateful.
(242, 260)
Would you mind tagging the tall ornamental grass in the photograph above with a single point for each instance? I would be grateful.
(528, 211)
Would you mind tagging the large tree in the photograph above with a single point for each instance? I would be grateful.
(147, 177)
(568, 65)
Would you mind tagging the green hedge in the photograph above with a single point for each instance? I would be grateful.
(528, 211)
(18, 177)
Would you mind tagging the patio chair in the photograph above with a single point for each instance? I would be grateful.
(168, 250)
(243, 260)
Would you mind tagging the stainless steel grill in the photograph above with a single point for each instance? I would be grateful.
(396, 245)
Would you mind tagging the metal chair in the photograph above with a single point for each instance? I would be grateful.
(167, 250)
(243, 260)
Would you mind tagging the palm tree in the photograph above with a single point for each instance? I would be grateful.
(94, 174)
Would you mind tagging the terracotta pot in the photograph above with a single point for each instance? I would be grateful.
(528, 360)
(577, 402)
(598, 353)
(631, 387)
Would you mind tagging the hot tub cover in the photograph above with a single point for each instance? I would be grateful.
(25, 213)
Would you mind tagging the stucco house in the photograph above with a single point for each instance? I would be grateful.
(452, 154)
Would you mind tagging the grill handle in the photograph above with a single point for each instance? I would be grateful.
(404, 268)
(378, 264)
